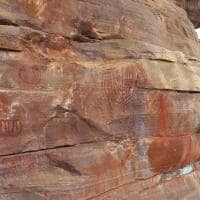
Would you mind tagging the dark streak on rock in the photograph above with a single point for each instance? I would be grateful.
(65, 166)
(10, 50)
(7, 22)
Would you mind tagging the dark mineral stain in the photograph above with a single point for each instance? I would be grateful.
(65, 166)
(84, 28)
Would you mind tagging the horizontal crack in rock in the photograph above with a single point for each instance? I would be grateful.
(10, 50)
(169, 90)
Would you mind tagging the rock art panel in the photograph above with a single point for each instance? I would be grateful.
(99, 99)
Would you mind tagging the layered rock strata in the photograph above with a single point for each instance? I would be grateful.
(98, 100)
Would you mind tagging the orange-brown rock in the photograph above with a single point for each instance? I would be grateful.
(98, 100)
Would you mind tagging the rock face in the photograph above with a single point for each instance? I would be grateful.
(192, 7)
(98, 100)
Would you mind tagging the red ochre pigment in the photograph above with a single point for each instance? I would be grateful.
(170, 153)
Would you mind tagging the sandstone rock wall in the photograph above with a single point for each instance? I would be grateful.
(192, 7)
(98, 100)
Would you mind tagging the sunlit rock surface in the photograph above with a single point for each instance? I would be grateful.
(98, 100)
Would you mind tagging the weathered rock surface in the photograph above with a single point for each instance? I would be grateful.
(192, 7)
(98, 100)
